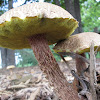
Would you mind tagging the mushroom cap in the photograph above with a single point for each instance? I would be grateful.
(10, 67)
(68, 58)
(78, 43)
(18, 24)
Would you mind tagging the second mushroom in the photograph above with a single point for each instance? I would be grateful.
(76, 46)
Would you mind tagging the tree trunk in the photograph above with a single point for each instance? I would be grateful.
(77, 14)
(69, 5)
(57, 2)
(8, 55)
(10, 4)
(96, 29)
(4, 56)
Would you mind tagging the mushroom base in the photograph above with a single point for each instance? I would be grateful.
(50, 67)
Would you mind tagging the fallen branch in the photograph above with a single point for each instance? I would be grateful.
(92, 72)
(95, 52)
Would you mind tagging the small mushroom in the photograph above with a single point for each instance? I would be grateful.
(10, 67)
(79, 44)
(35, 26)
(67, 59)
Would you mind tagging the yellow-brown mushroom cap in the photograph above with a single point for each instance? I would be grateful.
(78, 43)
(18, 24)
(10, 67)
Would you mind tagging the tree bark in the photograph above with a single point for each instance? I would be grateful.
(69, 5)
(8, 55)
(77, 14)
(57, 2)
(4, 56)
(10, 4)
(93, 78)
(96, 29)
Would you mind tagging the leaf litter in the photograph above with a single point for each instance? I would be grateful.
(29, 83)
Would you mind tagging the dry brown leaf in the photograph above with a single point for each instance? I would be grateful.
(20, 86)
(34, 94)
(39, 78)
(4, 97)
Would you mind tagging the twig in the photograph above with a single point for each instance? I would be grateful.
(74, 55)
(65, 62)
(89, 95)
(82, 73)
(84, 87)
(84, 70)
(92, 72)
(96, 50)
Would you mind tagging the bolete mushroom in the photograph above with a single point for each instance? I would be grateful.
(79, 44)
(10, 67)
(67, 58)
(35, 26)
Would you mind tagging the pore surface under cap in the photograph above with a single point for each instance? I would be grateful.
(78, 43)
(18, 24)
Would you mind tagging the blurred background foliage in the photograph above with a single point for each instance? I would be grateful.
(27, 58)
(90, 15)
(90, 20)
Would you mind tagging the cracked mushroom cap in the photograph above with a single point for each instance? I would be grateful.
(18, 24)
(78, 43)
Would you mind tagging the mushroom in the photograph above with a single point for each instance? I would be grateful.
(35, 26)
(67, 58)
(79, 44)
(10, 67)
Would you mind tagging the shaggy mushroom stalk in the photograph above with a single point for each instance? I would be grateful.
(80, 66)
(35, 26)
(50, 67)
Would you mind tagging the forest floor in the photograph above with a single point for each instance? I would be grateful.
(29, 83)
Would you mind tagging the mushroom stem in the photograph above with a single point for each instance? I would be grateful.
(50, 67)
(80, 66)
